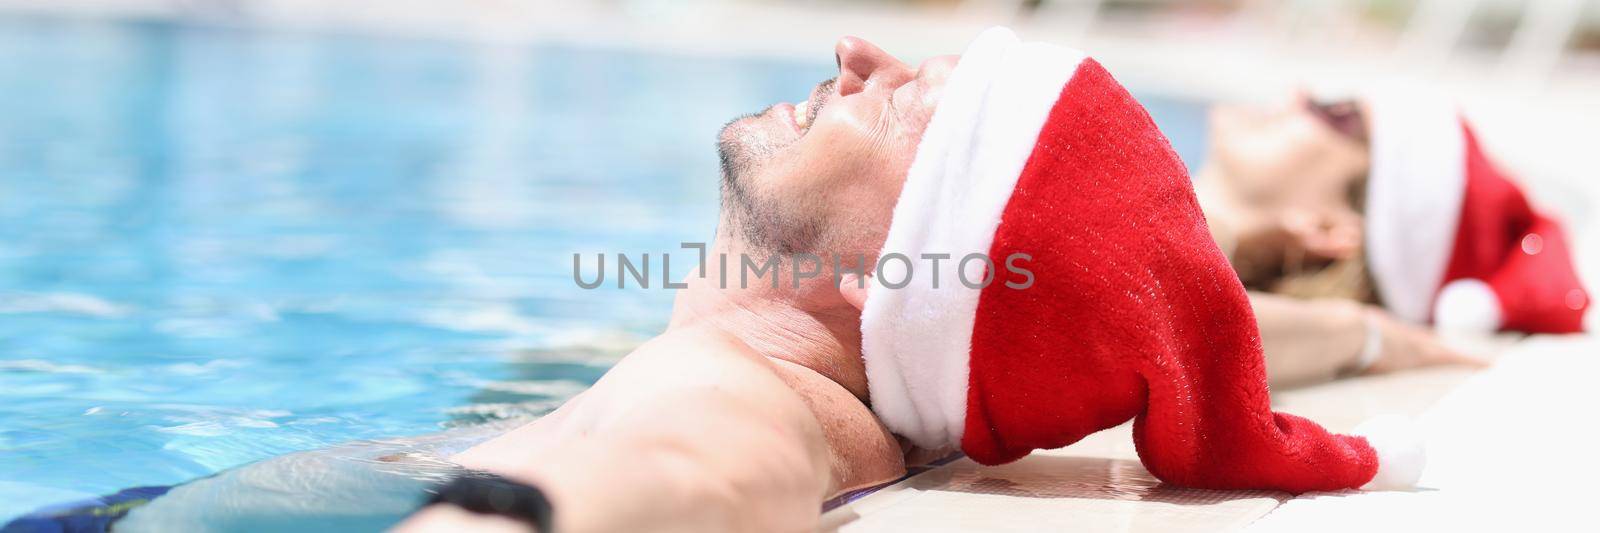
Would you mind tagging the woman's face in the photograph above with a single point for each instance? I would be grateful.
(1291, 175)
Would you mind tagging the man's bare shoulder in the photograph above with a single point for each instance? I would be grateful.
(690, 357)
(688, 373)
(692, 425)
(670, 371)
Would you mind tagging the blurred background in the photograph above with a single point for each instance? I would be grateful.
(231, 229)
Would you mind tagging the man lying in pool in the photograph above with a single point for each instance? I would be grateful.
(749, 410)
(752, 408)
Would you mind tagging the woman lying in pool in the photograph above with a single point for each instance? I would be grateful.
(1357, 224)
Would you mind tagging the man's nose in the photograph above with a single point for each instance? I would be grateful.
(862, 64)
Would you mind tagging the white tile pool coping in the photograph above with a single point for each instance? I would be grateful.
(1508, 447)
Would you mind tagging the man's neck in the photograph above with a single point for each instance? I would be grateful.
(811, 326)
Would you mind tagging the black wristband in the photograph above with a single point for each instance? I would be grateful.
(485, 493)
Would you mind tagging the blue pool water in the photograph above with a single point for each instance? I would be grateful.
(220, 246)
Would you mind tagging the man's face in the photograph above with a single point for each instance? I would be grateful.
(822, 176)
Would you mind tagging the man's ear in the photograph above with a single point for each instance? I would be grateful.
(853, 288)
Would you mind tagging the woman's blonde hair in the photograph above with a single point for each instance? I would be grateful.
(1346, 278)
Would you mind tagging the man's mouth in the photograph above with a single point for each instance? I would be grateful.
(806, 112)
(801, 118)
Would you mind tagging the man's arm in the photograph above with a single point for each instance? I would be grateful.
(693, 433)
(1309, 341)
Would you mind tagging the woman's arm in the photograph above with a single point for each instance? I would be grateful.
(1310, 341)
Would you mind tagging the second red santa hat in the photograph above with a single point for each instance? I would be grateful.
(1132, 312)
(1449, 238)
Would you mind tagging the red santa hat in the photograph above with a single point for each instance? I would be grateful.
(1132, 313)
(1450, 238)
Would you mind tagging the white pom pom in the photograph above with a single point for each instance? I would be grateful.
(1401, 452)
(1467, 306)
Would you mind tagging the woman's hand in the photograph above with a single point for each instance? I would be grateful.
(1312, 341)
(1404, 345)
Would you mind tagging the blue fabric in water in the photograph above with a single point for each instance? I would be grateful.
(87, 516)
